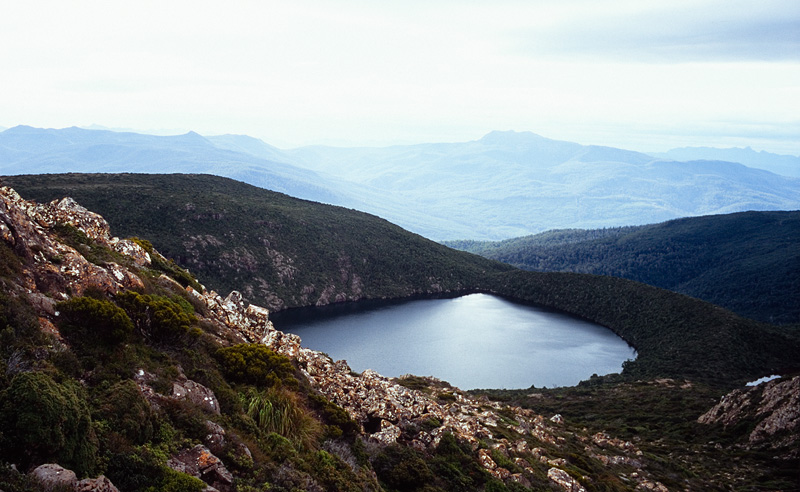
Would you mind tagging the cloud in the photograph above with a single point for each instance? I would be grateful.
(671, 32)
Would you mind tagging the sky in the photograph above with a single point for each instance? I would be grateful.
(642, 75)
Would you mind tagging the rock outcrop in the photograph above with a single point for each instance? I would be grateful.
(55, 478)
(200, 463)
(774, 406)
(55, 267)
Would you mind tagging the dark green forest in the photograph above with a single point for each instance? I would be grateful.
(747, 262)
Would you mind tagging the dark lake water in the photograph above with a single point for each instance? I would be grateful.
(474, 341)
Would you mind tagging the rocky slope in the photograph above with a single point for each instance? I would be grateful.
(511, 444)
(772, 409)
(405, 434)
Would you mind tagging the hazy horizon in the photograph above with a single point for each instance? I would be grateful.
(644, 76)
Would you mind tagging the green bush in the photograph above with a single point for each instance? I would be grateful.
(18, 322)
(43, 421)
(89, 319)
(156, 317)
(281, 411)
(174, 481)
(256, 364)
(402, 468)
(143, 470)
(338, 420)
(127, 412)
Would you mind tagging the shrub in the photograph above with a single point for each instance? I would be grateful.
(46, 421)
(402, 468)
(143, 470)
(338, 420)
(174, 481)
(156, 317)
(18, 321)
(88, 318)
(127, 412)
(281, 411)
(256, 364)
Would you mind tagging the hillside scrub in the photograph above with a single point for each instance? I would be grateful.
(43, 420)
(674, 335)
(746, 262)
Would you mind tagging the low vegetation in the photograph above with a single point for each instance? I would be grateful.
(660, 417)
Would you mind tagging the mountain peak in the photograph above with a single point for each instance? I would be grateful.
(510, 137)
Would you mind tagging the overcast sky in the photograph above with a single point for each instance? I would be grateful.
(644, 75)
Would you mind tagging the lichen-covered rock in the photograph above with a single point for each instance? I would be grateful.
(775, 405)
(186, 389)
(54, 268)
(199, 462)
(99, 484)
(133, 250)
(564, 480)
(54, 477)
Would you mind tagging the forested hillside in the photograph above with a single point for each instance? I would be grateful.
(747, 262)
(280, 251)
(283, 252)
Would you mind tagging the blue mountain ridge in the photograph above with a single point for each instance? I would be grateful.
(503, 185)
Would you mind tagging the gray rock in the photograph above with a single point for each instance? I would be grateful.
(54, 477)
(201, 463)
(99, 484)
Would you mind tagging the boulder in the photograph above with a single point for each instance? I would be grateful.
(564, 480)
(186, 389)
(201, 463)
(99, 484)
(54, 477)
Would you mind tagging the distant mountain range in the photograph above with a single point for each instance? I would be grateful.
(748, 262)
(504, 185)
(786, 165)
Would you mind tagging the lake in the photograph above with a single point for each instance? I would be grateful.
(473, 341)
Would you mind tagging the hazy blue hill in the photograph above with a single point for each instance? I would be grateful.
(514, 183)
(786, 165)
(503, 185)
(248, 145)
(747, 262)
(34, 150)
